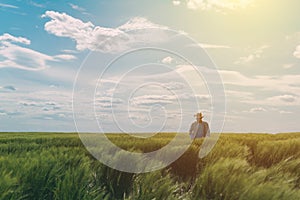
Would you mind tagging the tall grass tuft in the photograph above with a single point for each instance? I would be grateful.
(241, 166)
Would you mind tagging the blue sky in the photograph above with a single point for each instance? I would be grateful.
(255, 46)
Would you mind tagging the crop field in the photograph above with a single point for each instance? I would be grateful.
(240, 166)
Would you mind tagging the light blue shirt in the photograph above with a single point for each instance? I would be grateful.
(199, 130)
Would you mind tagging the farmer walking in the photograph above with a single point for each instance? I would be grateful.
(199, 128)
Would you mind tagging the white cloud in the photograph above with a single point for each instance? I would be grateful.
(137, 23)
(107, 101)
(257, 53)
(64, 25)
(288, 66)
(175, 85)
(184, 68)
(36, 4)
(257, 109)
(187, 68)
(282, 83)
(139, 116)
(234, 94)
(147, 100)
(76, 7)
(65, 57)
(235, 78)
(35, 102)
(16, 56)
(176, 2)
(258, 84)
(212, 46)
(42, 104)
(30, 103)
(9, 38)
(69, 51)
(22, 58)
(245, 59)
(217, 4)
(167, 60)
(284, 99)
(279, 100)
(96, 38)
(203, 97)
(3, 113)
(284, 112)
(277, 84)
(7, 5)
(297, 52)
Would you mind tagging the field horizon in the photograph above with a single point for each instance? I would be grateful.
(72, 132)
(37, 165)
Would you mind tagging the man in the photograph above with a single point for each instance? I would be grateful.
(199, 128)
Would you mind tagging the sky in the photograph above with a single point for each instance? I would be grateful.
(149, 66)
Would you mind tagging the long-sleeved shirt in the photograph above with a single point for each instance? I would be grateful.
(199, 130)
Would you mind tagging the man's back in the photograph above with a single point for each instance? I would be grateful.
(199, 129)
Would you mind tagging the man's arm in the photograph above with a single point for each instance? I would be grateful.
(207, 130)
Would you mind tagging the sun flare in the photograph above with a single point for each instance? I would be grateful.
(219, 4)
(233, 4)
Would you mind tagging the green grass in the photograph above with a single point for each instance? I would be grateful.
(240, 166)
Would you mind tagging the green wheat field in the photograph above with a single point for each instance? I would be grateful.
(240, 166)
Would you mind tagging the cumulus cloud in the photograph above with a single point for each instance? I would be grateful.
(103, 39)
(297, 52)
(137, 23)
(176, 3)
(16, 56)
(167, 60)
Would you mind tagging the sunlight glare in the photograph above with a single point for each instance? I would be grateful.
(219, 4)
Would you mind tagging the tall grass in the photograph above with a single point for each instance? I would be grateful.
(240, 166)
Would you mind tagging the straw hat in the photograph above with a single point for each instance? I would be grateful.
(199, 115)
